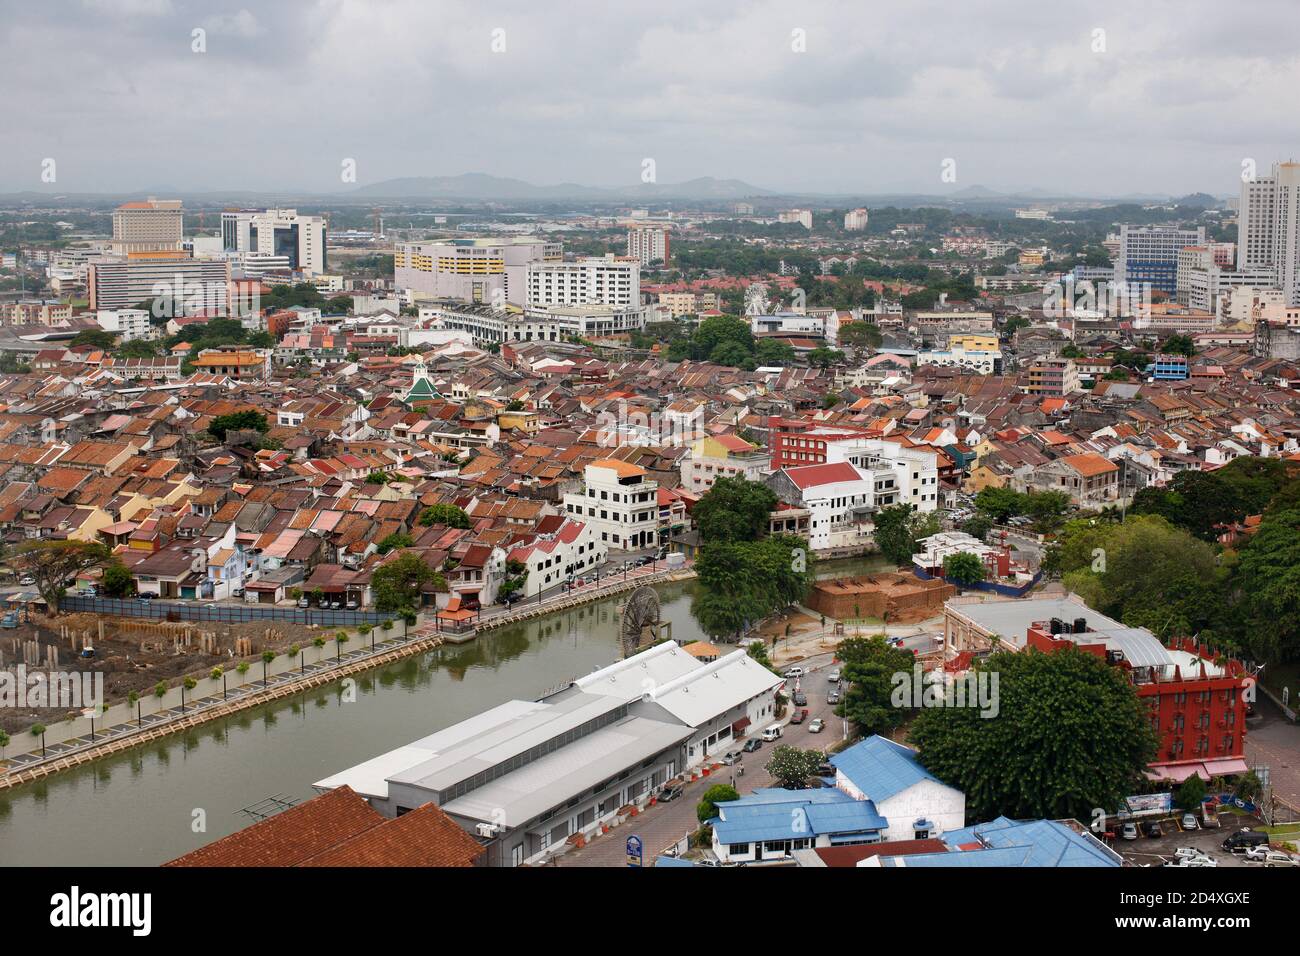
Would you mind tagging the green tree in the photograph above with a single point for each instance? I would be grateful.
(1000, 503)
(734, 509)
(792, 766)
(898, 528)
(238, 421)
(397, 583)
(964, 568)
(707, 808)
(1269, 580)
(394, 541)
(1190, 793)
(96, 338)
(449, 515)
(1090, 752)
(978, 526)
(117, 581)
(54, 564)
(868, 667)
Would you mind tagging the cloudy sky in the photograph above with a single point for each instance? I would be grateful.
(1168, 97)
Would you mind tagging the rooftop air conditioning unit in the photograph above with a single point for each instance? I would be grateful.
(488, 830)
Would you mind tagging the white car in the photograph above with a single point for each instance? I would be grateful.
(1190, 853)
(817, 726)
(1189, 822)
(793, 673)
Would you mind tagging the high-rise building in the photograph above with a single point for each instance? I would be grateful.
(187, 286)
(594, 280)
(1148, 255)
(150, 226)
(277, 232)
(1268, 227)
(855, 220)
(486, 271)
(801, 216)
(1205, 275)
(648, 244)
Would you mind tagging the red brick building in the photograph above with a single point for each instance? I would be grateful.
(1196, 700)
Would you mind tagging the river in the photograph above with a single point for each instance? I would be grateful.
(145, 806)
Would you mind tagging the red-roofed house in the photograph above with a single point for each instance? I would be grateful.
(841, 498)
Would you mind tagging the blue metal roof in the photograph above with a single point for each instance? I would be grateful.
(672, 861)
(774, 814)
(881, 768)
(1039, 842)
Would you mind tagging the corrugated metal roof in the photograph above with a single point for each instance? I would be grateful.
(881, 768)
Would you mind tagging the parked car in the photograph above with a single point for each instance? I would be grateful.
(303, 602)
(833, 677)
(1189, 822)
(800, 699)
(1244, 839)
(27, 579)
(1152, 830)
(1190, 853)
(670, 792)
(731, 757)
(799, 716)
(817, 726)
(752, 744)
(351, 605)
(1278, 858)
(1129, 831)
(147, 596)
(9, 620)
(793, 673)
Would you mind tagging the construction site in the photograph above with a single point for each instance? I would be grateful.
(133, 654)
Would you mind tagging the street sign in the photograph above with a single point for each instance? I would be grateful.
(635, 855)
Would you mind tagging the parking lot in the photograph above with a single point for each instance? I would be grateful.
(1148, 851)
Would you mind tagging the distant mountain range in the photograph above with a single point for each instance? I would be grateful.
(483, 186)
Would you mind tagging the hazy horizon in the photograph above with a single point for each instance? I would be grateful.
(1169, 99)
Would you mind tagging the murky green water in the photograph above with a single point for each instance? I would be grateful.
(139, 807)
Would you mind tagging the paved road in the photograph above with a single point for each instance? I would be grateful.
(1274, 742)
(663, 824)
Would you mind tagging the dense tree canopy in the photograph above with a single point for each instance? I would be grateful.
(397, 583)
(868, 666)
(1069, 735)
(734, 509)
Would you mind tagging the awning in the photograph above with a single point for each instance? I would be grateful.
(1220, 768)
(740, 724)
(1178, 772)
(1208, 770)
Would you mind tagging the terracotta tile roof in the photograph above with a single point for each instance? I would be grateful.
(339, 828)
(292, 837)
(424, 837)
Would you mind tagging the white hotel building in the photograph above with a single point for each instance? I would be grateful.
(594, 280)
(619, 502)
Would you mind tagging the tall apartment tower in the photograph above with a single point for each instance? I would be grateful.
(1148, 255)
(1268, 227)
(647, 244)
(855, 220)
(150, 226)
